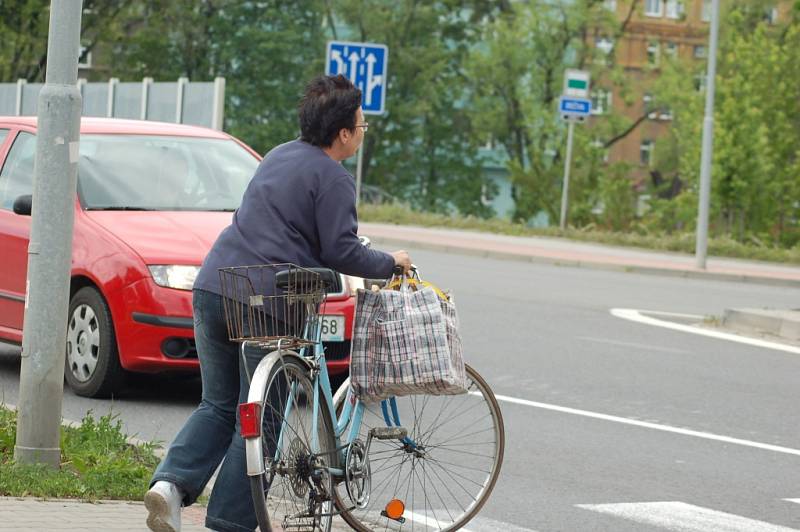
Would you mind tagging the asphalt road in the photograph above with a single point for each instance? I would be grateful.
(610, 424)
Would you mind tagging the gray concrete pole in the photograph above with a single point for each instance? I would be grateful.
(701, 243)
(359, 169)
(565, 187)
(50, 248)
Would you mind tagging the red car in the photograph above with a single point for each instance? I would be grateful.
(152, 198)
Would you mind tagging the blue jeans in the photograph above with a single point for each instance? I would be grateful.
(212, 431)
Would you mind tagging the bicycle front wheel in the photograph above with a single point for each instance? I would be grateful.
(296, 490)
(443, 472)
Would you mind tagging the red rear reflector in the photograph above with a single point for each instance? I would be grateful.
(250, 419)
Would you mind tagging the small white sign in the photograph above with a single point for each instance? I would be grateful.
(576, 83)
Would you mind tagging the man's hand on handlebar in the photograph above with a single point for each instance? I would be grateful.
(402, 260)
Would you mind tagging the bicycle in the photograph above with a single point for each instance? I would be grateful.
(428, 462)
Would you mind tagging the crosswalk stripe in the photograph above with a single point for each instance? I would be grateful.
(681, 517)
(484, 524)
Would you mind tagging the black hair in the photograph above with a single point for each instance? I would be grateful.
(329, 104)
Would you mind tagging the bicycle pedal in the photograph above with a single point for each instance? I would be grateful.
(388, 433)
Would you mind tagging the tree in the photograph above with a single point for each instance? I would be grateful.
(756, 174)
(518, 73)
(24, 28)
(266, 51)
(423, 149)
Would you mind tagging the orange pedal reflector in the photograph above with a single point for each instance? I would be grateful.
(394, 510)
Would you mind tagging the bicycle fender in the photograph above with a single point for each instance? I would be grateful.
(341, 393)
(253, 449)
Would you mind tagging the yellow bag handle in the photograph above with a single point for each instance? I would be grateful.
(395, 283)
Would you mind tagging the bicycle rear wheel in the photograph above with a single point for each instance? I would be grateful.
(444, 473)
(296, 489)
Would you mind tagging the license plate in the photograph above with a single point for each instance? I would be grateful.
(333, 328)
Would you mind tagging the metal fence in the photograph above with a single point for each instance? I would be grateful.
(182, 101)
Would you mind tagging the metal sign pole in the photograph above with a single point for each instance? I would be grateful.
(701, 244)
(44, 334)
(565, 187)
(359, 167)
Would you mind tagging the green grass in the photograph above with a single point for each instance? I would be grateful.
(678, 242)
(96, 463)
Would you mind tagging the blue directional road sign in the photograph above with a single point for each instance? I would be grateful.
(570, 107)
(365, 65)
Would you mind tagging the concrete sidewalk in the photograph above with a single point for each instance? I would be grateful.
(35, 515)
(570, 253)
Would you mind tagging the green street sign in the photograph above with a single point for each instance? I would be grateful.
(576, 83)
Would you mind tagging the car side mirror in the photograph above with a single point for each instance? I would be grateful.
(23, 204)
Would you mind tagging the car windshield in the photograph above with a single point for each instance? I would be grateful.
(161, 173)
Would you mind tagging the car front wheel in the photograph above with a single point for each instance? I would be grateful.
(92, 367)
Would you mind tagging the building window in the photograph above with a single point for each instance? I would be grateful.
(604, 44)
(771, 15)
(671, 49)
(700, 82)
(700, 51)
(653, 51)
(600, 146)
(646, 152)
(601, 101)
(84, 58)
(647, 101)
(705, 14)
(674, 9)
(611, 5)
(653, 8)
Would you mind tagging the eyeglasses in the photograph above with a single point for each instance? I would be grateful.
(365, 125)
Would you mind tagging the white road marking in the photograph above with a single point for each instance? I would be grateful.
(636, 315)
(484, 524)
(479, 524)
(645, 347)
(648, 425)
(682, 517)
(793, 500)
(427, 521)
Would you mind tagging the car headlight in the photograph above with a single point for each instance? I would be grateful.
(174, 276)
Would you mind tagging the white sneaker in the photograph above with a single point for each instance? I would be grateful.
(163, 501)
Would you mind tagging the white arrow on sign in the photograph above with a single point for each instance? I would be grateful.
(336, 55)
(353, 64)
(372, 81)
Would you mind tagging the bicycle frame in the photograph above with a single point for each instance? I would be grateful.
(351, 415)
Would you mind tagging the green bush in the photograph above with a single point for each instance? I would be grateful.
(97, 462)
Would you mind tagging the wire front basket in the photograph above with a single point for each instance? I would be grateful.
(275, 305)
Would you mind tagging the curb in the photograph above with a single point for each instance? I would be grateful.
(784, 324)
(627, 268)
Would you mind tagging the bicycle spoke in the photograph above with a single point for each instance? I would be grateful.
(448, 475)
(451, 475)
(445, 506)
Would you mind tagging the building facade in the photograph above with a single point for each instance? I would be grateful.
(656, 31)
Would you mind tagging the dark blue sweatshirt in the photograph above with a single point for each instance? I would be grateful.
(300, 207)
